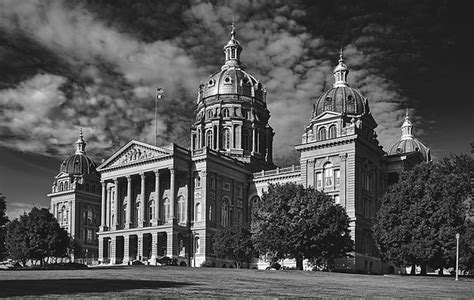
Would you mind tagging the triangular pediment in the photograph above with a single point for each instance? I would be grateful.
(133, 152)
(327, 115)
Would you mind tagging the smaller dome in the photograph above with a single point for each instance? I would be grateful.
(341, 99)
(78, 164)
(408, 143)
(408, 146)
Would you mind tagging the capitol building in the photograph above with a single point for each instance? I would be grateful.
(145, 201)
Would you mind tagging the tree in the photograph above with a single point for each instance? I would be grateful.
(234, 242)
(3, 222)
(36, 236)
(422, 212)
(291, 221)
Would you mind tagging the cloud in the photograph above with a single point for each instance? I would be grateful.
(107, 80)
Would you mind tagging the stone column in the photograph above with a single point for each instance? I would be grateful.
(129, 202)
(157, 198)
(172, 194)
(116, 205)
(71, 219)
(343, 180)
(154, 248)
(103, 207)
(126, 249)
(113, 250)
(189, 207)
(101, 250)
(142, 218)
(139, 246)
(107, 208)
(254, 141)
(172, 243)
(310, 174)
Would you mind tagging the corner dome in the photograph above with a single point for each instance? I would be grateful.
(79, 163)
(341, 98)
(408, 144)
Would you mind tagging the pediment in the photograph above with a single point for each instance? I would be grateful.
(327, 115)
(134, 152)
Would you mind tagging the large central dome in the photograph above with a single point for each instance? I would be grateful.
(232, 79)
(232, 115)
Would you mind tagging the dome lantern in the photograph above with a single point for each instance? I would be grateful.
(80, 144)
(232, 51)
(340, 72)
(407, 128)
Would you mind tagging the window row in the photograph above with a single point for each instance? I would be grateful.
(327, 133)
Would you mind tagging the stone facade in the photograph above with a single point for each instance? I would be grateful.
(170, 201)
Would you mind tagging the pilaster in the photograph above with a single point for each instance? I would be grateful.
(103, 207)
(156, 222)
(139, 246)
(116, 205)
(172, 195)
(129, 203)
(142, 217)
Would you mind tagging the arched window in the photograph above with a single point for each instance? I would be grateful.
(64, 213)
(197, 245)
(332, 131)
(226, 138)
(124, 213)
(246, 140)
(328, 175)
(328, 104)
(151, 210)
(225, 113)
(322, 134)
(224, 213)
(90, 216)
(198, 211)
(210, 114)
(61, 187)
(137, 213)
(209, 138)
(166, 211)
(181, 210)
(350, 105)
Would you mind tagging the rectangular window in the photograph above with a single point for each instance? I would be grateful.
(319, 180)
(337, 199)
(337, 177)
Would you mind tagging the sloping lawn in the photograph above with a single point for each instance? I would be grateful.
(147, 281)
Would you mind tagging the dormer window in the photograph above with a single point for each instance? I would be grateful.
(211, 82)
(227, 80)
(225, 113)
(328, 104)
(350, 104)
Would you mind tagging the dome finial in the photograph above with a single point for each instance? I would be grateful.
(340, 72)
(232, 50)
(80, 144)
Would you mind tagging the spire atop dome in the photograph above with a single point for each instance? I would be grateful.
(232, 50)
(340, 72)
(407, 127)
(80, 144)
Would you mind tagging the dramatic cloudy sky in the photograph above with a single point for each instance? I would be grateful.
(94, 64)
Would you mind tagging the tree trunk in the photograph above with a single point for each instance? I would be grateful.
(413, 269)
(423, 269)
(440, 272)
(299, 263)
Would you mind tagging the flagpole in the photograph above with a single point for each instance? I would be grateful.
(159, 93)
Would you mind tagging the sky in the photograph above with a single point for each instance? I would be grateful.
(66, 65)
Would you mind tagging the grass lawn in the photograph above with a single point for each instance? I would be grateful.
(148, 281)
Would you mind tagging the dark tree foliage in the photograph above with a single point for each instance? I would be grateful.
(421, 214)
(3, 222)
(234, 242)
(293, 222)
(36, 236)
